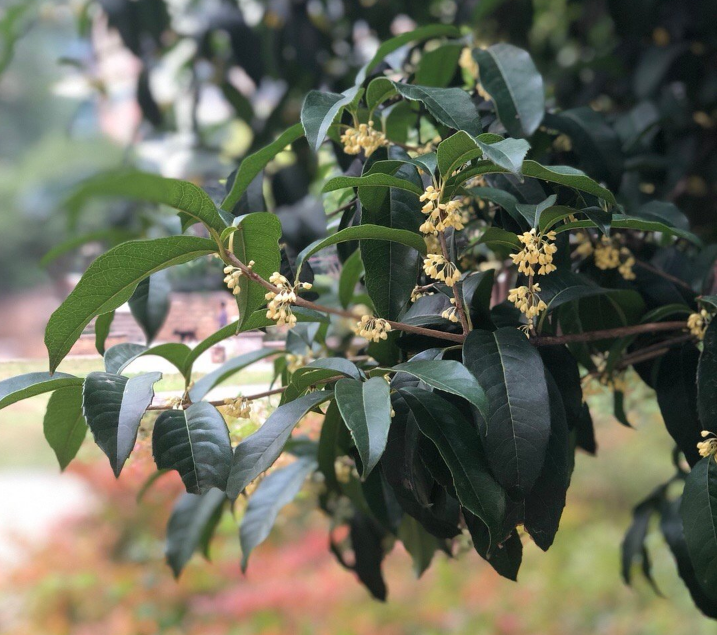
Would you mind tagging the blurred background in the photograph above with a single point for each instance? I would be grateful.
(187, 88)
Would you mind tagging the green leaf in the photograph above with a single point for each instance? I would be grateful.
(112, 235)
(371, 180)
(453, 107)
(366, 409)
(507, 559)
(150, 303)
(699, 519)
(569, 177)
(257, 238)
(351, 273)
(319, 111)
(418, 542)
(448, 376)
(509, 75)
(194, 203)
(195, 442)
(497, 237)
(633, 546)
(205, 384)
(103, 324)
(417, 35)
(114, 406)
(257, 453)
(255, 163)
(64, 426)
(321, 369)
(277, 490)
(110, 281)
(516, 432)
(363, 232)
(120, 356)
(391, 268)
(459, 445)
(707, 380)
(458, 149)
(193, 518)
(437, 67)
(379, 90)
(24, 386)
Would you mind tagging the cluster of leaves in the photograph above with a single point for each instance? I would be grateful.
(442, 427)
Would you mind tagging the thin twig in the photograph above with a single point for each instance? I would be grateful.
(343, 208)
(592, 336)
(456, 292)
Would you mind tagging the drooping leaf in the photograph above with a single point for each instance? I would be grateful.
(195, 442)
(459, 445)
(257, 453)
(699, 521)
(119, 357)
(255, 163)
(509, 75)
(448, 376)
(350, 275)
(366, 409)
(419, 543)
(277, 490)
(367, 539)
(192, 201)
(193, 517)
(507, 558)
(633, 548)
(103, 323)
(110, 281)
(707, 380)
(114, 406)
(63, 425)
(24, 386)
(150, 303)
(202, 386)
(437, 67)
(546, 501)
(517, 429)
(319, 111)
(257, 238)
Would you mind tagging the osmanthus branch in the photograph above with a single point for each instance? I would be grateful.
(605, 334)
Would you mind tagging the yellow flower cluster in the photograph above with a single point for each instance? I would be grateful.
(239, 408)
(365, 138)
(438, 268)
(467, 62)
(709, 446)
(538, 250)
(527, 300)
(450, 313)
(233, 274)
(419, 292)
(374, 329)
(609, 255)
(698, 322)
(441, 216)
(279, 307)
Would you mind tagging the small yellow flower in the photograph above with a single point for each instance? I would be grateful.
(609, 255)
(467, 62)
(584, 246)
(280, 302)
(441, 216)
(374, 329)
(239, 408)
(527, 301)
(709, 446)
(538, 250)
(698, 322)
(450, 313)
(233, 274)
(365, 138)
(419, 292)
(438, 268)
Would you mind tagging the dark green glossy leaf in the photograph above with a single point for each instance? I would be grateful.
(351, 273)
(319, 111)
(366, 409)
(699, 520)
(452, 107)
(119, 357)
(459, 445)
(506, 559)
(63, 425)
(437, 67)
(193, 517)
(195, 442)
(371, 180)
(707, 380)
(277, 490)
(150, 303)
(110, 281)
(24, 386)
(516, 432)
(257, 453)
(509, 75)
(114, 406)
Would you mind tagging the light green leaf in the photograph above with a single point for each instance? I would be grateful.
(319, 111)
(350, 275)
(64, 426)
(24, 386)
(437, 67)
(371, 180)
(110, 281)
